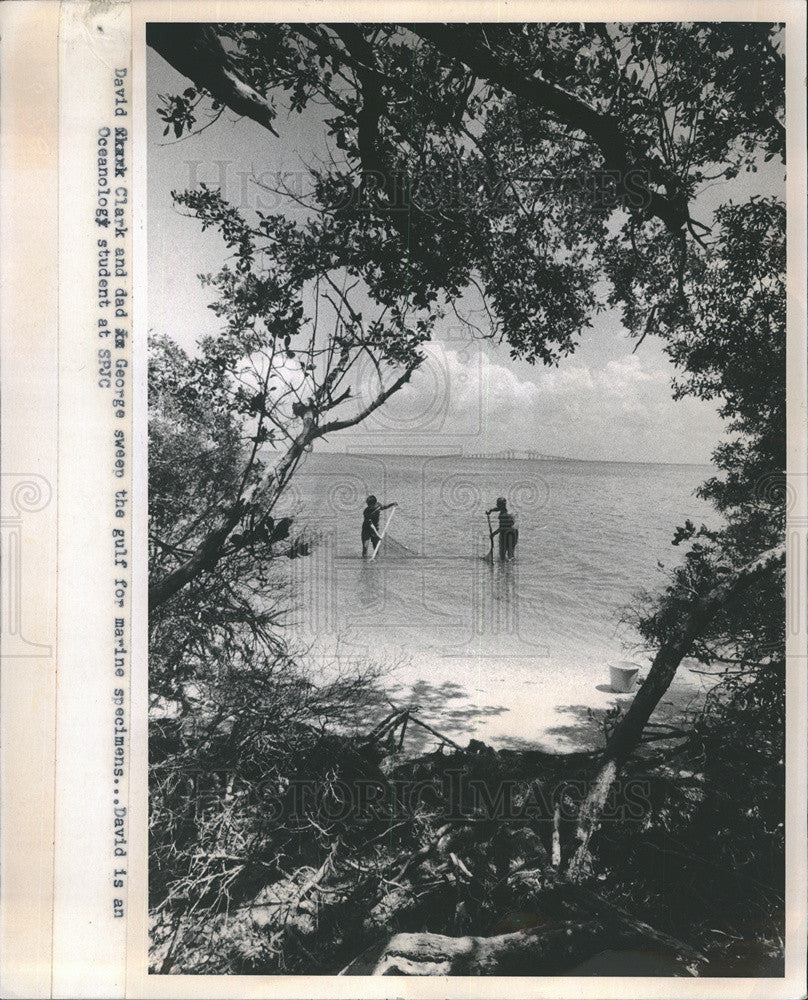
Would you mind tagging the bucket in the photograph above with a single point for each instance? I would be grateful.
(623, 676)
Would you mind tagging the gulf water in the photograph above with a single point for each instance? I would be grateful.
(511, 652)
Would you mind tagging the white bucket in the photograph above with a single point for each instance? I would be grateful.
(623, 675)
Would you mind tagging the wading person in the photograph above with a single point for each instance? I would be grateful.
(507, 530)
(370, 524)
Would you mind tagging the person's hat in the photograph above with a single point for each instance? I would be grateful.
(500, 501)
(371, 500)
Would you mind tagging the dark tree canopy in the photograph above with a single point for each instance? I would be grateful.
(528, 159)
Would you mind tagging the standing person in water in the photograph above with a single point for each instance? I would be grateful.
(507, 530)
(370, 524)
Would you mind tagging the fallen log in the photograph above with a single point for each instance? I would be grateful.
(519, 954)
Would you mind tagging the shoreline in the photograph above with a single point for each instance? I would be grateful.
(564, 716)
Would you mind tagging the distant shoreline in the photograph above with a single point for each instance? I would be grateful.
(505, 458)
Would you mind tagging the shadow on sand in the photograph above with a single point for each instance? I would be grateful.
(447, 707)
(450, 709)
(584, 730)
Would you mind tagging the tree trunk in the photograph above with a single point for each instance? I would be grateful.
(196, 51)
(628, 733)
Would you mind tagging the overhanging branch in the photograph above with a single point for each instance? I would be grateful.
(196, 51)
(603, 129)
(211, 548)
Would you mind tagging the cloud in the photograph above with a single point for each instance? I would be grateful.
(621, 411)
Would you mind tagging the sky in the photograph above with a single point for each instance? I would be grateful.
(605, 402)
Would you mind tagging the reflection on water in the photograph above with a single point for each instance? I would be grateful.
(370, 584)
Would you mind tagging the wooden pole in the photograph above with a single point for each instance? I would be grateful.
(384, 532)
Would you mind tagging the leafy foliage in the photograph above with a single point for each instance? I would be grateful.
(735, 351)
(197, 462)
(483, 156)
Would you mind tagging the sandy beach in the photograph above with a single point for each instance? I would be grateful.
(556, 710)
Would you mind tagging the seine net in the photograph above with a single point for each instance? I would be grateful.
(391, 549)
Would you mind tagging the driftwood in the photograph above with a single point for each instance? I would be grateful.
(429, 729)
(595, 925)
(519, 954)
(400, 718)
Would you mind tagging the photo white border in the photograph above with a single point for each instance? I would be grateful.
(31, 743)
(797, 887)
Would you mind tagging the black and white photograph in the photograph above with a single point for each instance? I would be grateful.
(467, 498)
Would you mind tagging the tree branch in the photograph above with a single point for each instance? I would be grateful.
(211, 548)
(403, 214)
(521, 953)
(601, 128)
(339, 425)
(196, 51)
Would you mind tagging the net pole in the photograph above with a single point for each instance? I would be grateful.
(489, 556)
(384, 532)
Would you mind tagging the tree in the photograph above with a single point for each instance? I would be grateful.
(724, 606)
(232, 708)
(197, 462)
(280, 378)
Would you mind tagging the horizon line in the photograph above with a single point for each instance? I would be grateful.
(502, 457)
